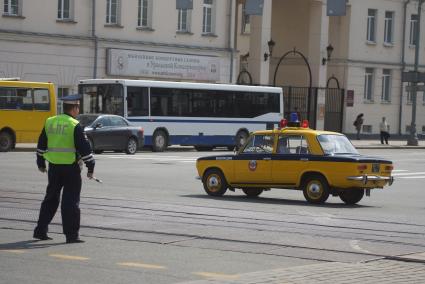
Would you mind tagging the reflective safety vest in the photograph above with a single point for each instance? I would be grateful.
(60, 139)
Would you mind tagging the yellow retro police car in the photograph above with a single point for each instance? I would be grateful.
(320, 163)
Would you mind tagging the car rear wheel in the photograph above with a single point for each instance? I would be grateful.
(6, 141)
(315, 189)
(215, 183)
(252, 192)
(131, 146)
(351, 196)
(159, 141)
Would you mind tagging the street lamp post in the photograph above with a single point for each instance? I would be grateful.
(413, 138)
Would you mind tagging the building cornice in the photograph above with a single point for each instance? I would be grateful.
(112, 40)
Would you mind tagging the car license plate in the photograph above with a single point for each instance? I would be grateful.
(375, 168)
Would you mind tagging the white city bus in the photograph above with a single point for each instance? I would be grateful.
(180, 113)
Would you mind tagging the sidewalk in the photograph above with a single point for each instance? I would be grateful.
(359, 144)
(402, 269)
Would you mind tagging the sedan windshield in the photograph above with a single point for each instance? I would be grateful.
(336, 145)
(86, 120)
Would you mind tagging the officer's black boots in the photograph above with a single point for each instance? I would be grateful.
(41, 236)
(74, 241)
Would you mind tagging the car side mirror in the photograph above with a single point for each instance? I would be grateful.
(98, 125)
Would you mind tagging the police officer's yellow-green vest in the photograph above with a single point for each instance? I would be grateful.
(60, 139)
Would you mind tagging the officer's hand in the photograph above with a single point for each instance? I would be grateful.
(43, 170)
(90, 175)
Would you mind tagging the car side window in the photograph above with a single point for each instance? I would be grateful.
(105, 121)
(292, 144)
(259, 144)
(118, 121)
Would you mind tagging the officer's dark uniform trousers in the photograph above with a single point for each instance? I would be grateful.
(68, 177)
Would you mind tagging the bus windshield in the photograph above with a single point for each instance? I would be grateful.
(105, 98)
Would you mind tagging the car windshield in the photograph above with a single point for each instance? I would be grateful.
(336, 145)
(86, 120)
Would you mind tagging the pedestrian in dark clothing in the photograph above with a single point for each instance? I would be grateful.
(358, 124)
(63, 144)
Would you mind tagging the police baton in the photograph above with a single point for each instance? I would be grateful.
(96, 179)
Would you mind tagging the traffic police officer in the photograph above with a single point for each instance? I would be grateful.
(63, 144)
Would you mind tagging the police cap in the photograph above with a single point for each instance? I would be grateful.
(72, 99)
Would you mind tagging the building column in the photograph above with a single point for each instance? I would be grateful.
(260, 35)
(318, 41)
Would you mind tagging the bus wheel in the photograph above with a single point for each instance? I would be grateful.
(214, 182)
(159, 141)
(315, 189)
(6, 141)
(241, 138)
(203, 148)
(351, 196)
(252, 192)
(131, 146)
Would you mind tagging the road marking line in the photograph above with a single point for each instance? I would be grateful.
(68, 257)
(409, 174)
(217, 275)
(17, 251)
(355, 245)
(400, 171)
(412, 177)
(141, 265)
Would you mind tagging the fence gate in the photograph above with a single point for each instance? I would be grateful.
(303, 100)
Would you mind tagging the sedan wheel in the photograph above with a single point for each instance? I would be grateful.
(351, 196)
(131, 146)
(214, 183)
(316, 189)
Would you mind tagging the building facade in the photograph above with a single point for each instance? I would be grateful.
(64, 41)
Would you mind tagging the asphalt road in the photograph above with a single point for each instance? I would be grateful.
(151, 222)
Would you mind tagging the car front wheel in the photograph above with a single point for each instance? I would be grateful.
(351, 196)
(315, 189)
(131, 146)
(214, 182)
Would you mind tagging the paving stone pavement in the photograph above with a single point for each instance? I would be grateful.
(376, 271)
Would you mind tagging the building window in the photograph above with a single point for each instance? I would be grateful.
(371, 25)
(183, 21)
(246, 23)
(207, 19)
(144, 14)
(389, 28)
(112, 12)
(386, 85)
(413, 29)
(62, 92)
(368, 85)
(409, 95)
(65, 9)
(12, 7)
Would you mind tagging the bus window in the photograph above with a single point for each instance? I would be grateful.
(137, 101)
(106, 98)
(41, 99)
(24, 99)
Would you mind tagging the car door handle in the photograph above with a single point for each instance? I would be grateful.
(267, 159)
(304, 159)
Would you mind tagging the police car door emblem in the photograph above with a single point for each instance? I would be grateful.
(252, 165)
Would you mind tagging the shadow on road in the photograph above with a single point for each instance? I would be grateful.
(29, 244)
(279, 201)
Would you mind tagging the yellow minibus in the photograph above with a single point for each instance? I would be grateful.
(24, 107)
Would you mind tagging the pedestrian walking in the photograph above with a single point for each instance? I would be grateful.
(385, 130)
(63, 144)
(358, 124)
